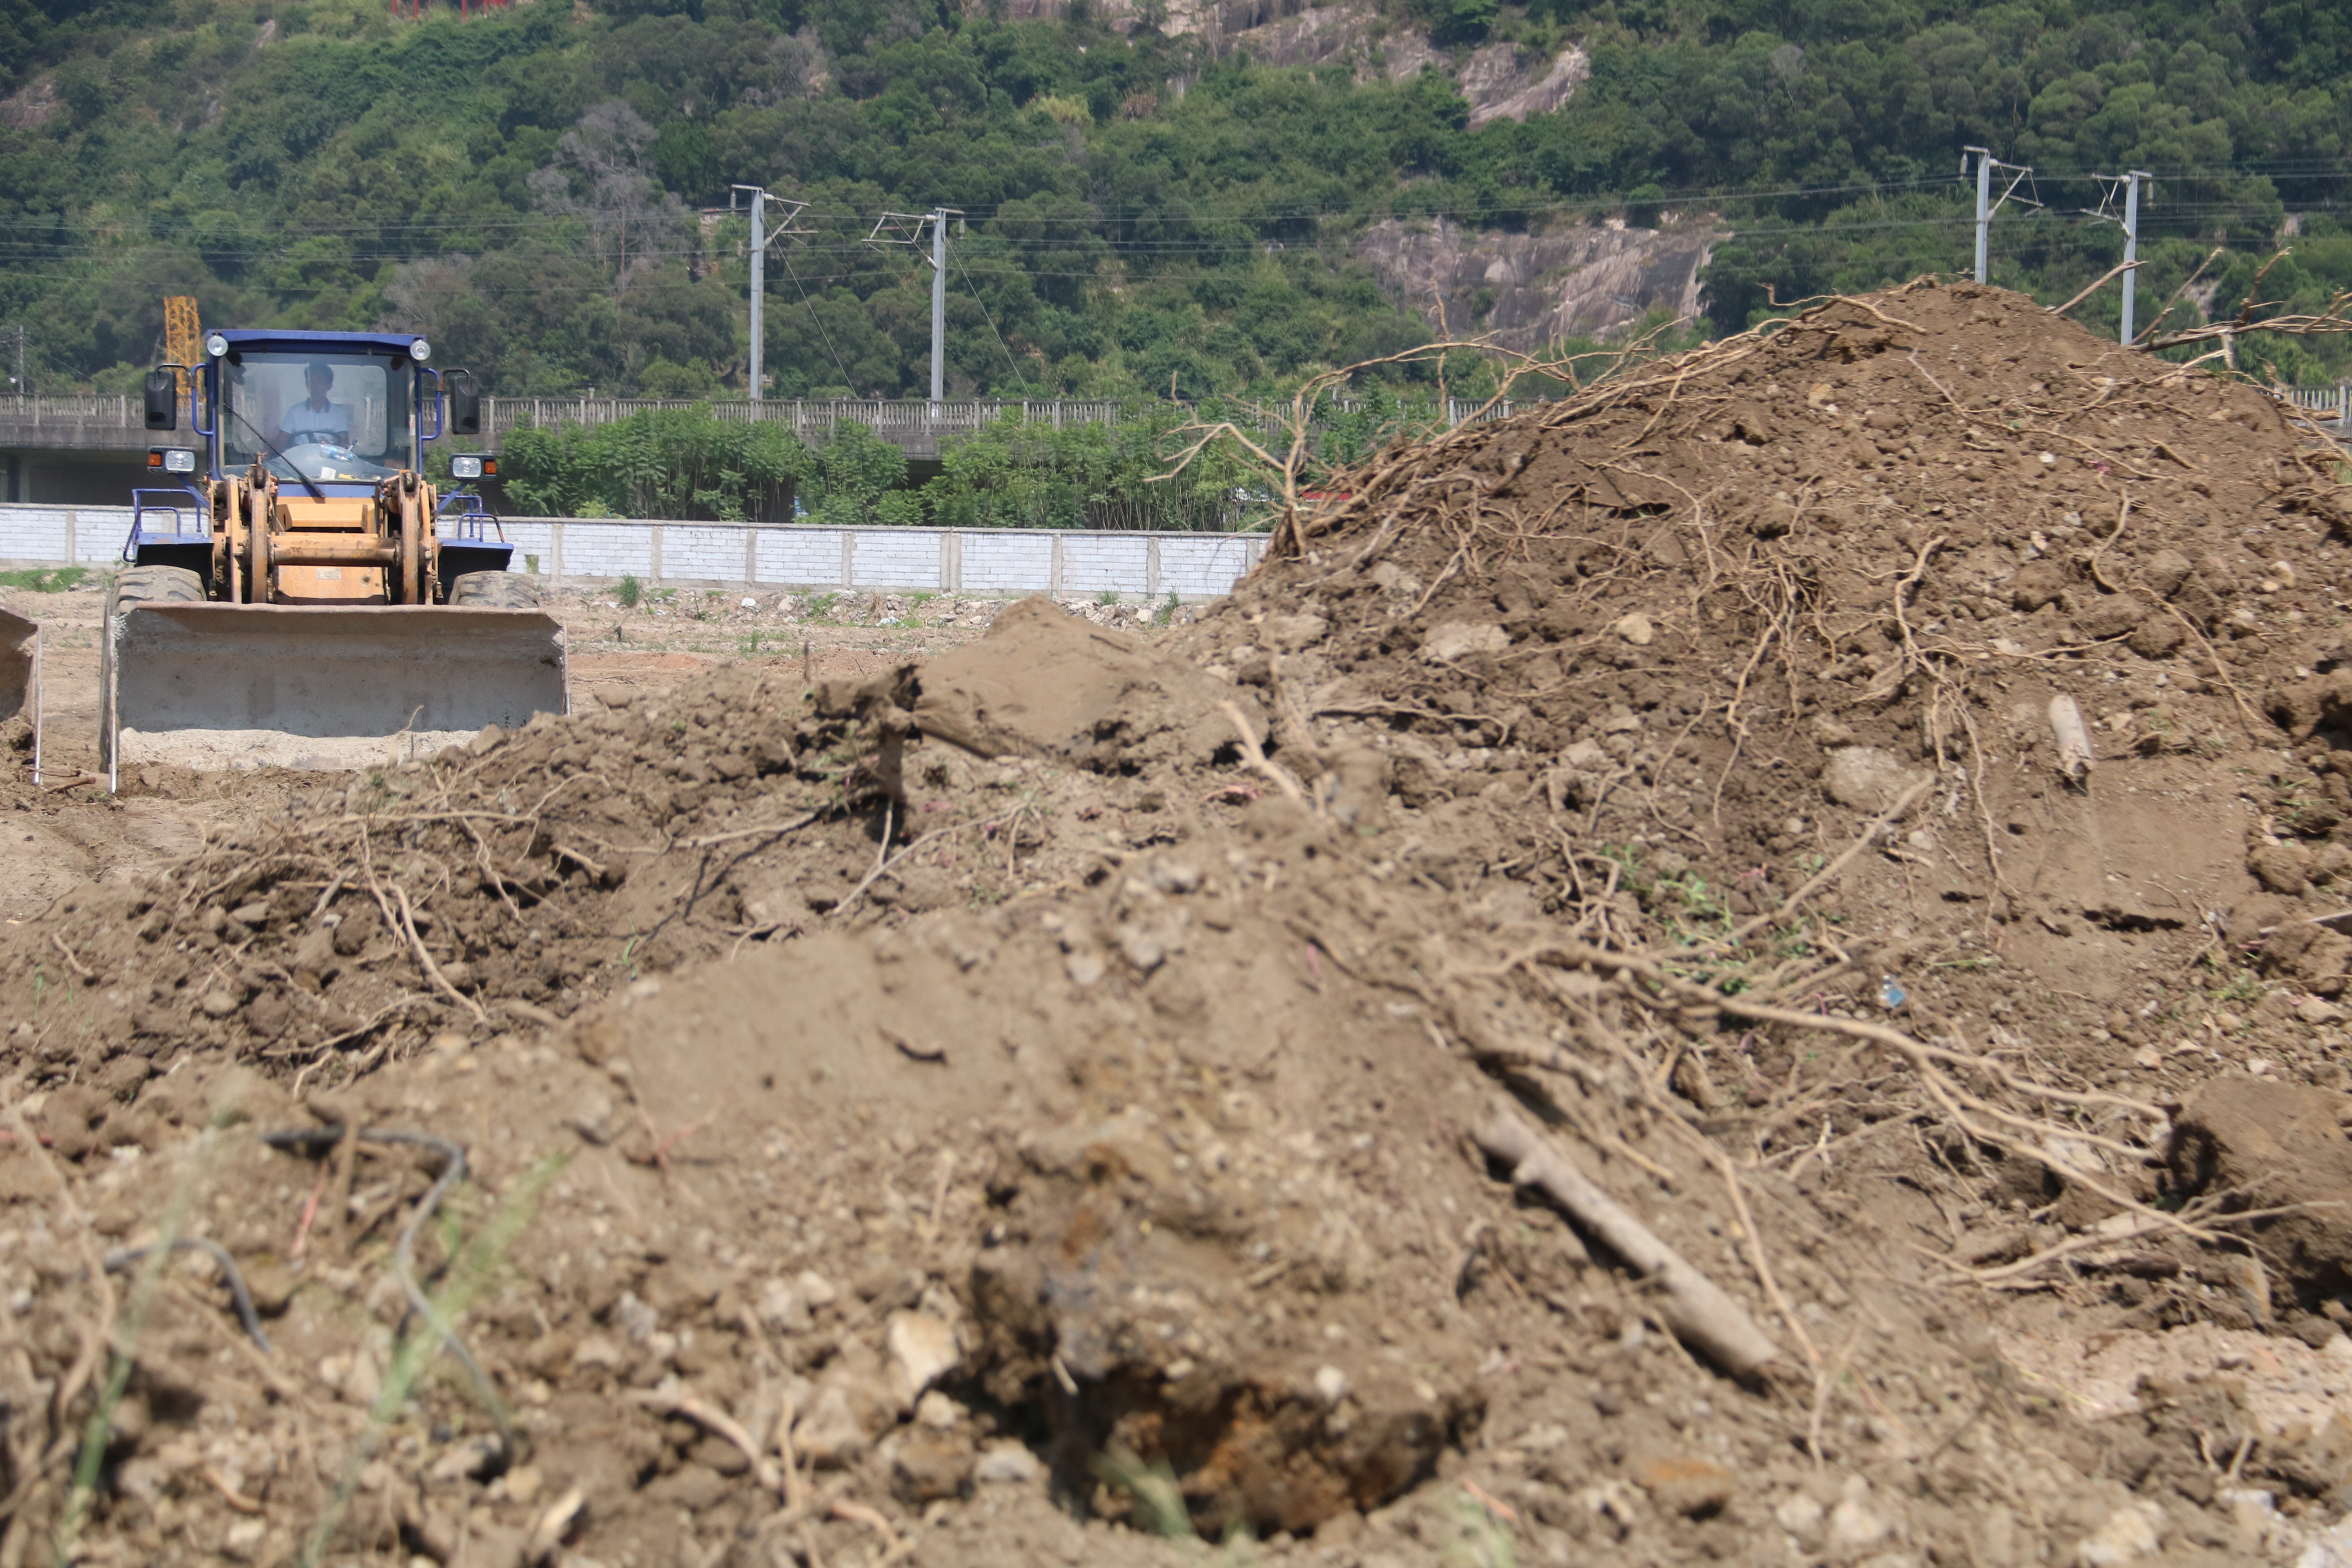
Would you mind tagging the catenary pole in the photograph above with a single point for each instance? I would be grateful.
(759, 284)
(760, 240)
(1984, 204)
(938, 304)
(2132, 179)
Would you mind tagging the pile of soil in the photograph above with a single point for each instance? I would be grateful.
(1076, 1091)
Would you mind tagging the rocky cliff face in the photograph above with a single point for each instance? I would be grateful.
(1526, 290)
(1530, 289)
(1497, 81)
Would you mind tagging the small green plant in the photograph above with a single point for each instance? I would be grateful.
(1692, 911)
(632, 593)
(471, 1271)
(2243, 987)
(46, 579)
(1167, 612)
(1108, 596)
(1480, 1539)
(750, 646)
(1152, 1490)
(530, 566)
(201, 1164)
(821, 605)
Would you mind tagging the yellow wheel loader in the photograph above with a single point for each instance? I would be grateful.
(300, 596)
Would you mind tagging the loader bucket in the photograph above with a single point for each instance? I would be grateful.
(20, 666)
(221, 685)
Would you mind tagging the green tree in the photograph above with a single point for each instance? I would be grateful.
(683, 463)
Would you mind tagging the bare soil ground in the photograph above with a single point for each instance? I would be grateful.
(1745, 968)
(667, 638)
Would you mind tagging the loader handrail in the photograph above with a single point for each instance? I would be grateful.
(141, 506)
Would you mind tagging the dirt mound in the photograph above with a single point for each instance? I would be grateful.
(1044, 685)
(1570, 1020)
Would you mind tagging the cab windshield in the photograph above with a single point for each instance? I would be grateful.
(317, 416)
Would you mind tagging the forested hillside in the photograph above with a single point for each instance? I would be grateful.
(1145, 207)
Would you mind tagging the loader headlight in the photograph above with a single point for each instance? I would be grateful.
(172, 460)
(465, 468)
(217, 346)
(419, 351)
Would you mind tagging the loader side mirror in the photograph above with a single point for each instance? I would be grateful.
(162, 400)
(464, 406)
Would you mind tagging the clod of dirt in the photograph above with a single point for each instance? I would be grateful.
(2276, 1145)
(1043, 684)
(1867, 779)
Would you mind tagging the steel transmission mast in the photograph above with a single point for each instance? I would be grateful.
(760, 240)
(907, 229)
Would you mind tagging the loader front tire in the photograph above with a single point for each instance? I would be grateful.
(131, 587)
(495, 591)
(157, 585)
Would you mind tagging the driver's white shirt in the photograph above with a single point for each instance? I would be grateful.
(331, 425)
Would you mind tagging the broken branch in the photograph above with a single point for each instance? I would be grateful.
(1696, 1309)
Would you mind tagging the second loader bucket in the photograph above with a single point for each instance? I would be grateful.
(20, 677)
(217, 686)
(20, 666)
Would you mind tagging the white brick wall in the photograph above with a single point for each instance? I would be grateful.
(1199, 565)
(801, 557)
(1092, 563)
(987, 560)
(37, 534)
(529, 539)
(710, 555)
(997, 562)
(608, 549)
(100, 533)
(895, 558)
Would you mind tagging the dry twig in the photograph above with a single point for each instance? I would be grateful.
(1695, 1307)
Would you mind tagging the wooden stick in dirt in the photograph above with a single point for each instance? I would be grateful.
(675, 1403)
(1696, 1308)
(1258, 761)
(2106, 278)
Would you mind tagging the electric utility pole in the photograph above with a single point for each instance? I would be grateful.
(2128, 183)
(1986, 205)
(907, 229)
(760, 243)
(2133, 179)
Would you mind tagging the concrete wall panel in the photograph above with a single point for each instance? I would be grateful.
(905, 560)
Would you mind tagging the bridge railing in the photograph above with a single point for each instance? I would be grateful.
(817, 418)
(902, 421)
(892, 419)
(116, 410)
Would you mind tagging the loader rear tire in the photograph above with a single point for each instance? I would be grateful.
(495, 591)
(157, 585)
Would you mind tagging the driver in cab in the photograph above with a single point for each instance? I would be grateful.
(314, 419)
